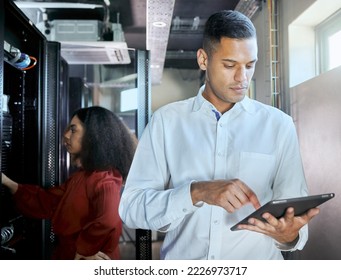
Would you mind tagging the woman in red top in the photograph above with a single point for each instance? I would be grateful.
(84, 209)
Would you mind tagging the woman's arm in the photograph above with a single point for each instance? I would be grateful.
(32, 200)
(10, 184)
(98, 256)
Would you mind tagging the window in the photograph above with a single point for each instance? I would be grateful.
(328, 35)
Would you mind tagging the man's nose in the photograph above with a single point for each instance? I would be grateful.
(240, 75)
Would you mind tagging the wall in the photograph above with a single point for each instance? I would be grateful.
(297, 21)
(302, 53)
(289, 11)
(314, 103)
(176, 84)
(316, 111)
(262, 72)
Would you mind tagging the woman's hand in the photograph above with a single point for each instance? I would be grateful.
(98, 256)
(10, 184)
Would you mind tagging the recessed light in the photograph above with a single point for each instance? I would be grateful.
(155, 66)
(159, 24)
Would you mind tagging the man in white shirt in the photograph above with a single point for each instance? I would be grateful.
(205, 163)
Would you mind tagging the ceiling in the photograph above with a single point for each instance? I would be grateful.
(170, 29)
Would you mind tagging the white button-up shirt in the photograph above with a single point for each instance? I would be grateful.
(188, 141)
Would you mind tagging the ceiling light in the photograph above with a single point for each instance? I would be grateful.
(159, 24)
(155, 66)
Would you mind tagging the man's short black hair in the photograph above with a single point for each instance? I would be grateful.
(226, 23)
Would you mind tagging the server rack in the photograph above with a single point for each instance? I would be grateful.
(30, 129)
(143, 114)
(35, 108)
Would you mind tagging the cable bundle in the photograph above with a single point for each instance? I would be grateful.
(22, 60)
(6, 234)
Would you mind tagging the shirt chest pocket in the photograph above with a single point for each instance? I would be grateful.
(257, 171)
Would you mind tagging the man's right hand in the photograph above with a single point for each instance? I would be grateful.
(229, 194)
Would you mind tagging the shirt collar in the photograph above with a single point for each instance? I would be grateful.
(246, 104)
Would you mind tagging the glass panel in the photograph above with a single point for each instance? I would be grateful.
(112, 86)
(114, 89)
(334, 43)
(328, 35)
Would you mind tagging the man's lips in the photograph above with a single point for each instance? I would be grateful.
(239, 88)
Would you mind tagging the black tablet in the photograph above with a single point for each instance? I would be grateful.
(278, 207)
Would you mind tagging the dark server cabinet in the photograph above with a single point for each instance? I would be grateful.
(31, 126)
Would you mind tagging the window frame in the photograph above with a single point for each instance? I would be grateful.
(323, 31)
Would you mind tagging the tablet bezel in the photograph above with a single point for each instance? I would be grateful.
(278, 207)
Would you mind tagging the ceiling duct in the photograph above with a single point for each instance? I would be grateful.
(101, 52)
(82, 40)
(54, 5)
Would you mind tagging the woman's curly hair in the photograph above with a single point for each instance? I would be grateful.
(107, 142)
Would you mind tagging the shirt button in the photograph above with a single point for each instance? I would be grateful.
(221, 124)
(184, 210)
(212, 257)
(216, 222)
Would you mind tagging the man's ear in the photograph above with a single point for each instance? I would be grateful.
(202, 59)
